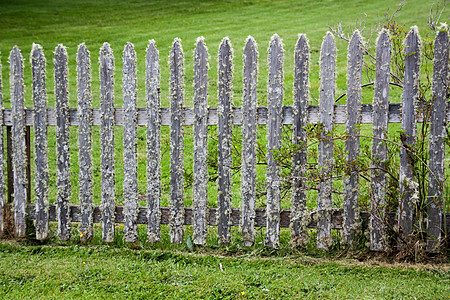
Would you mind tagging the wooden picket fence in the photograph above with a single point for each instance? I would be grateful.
(299, 218)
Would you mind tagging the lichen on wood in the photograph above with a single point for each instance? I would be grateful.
(249, 134)
(38, 63)
(299, 212)
(107, 141)
(325, 160)
(176, 61)
(200, 190)
(85, 143)
(274, 124)
(153, 144)
(2, 160)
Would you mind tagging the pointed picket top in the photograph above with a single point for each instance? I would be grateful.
(107, 56)
(153, 143)
(250, 48)
(299, 211)
(200, 45)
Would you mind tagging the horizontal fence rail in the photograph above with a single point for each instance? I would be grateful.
(325, 217)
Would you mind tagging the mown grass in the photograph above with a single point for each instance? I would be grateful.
(104, 272)
(70, 23)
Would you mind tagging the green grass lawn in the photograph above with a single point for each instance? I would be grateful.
(105, 272)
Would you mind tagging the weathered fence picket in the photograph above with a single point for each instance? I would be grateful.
(62, 142)
(2, 164)
(130, 185)
(225, 96)
(274, 126)
(153, 144)
(408, 187)
(40, 141)
(107, 141)
(379, 149)
(299, 218)
(200, 142)
(176, 142)
(352, 144)
(85, 143)
(299, 213)
(18, 141)
(437, 143)
(327, 91)
(249, 134)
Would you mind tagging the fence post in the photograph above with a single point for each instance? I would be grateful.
(408, 187)
(176, 142)
(153, 144)
(85, 143)
(40, 141)
(200, 142)
(249, 134)
(225, 95)
(274, 123)
(130, 187)
(327, 91)
(18, 141)
(437, 143)
(351, 180)
(378, 240)
(62, 142)
(107, 141)
(299, 213)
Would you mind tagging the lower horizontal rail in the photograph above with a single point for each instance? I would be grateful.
(260, 218)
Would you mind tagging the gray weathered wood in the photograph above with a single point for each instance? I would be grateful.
(18, 141)
(2, 162)
(200, 189)
(378, 240)
(153, 144)
(249, 134)
(40, 141)
(107, 141)
(325, 161)
(299, 233)
(274, 123)
(437, 143)
(85, 143)
(408, 186)
(62, 142)
(225, 98)
(260, 216)
(130, 186)
(351, 180)
(340, 115)
(176, 142)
